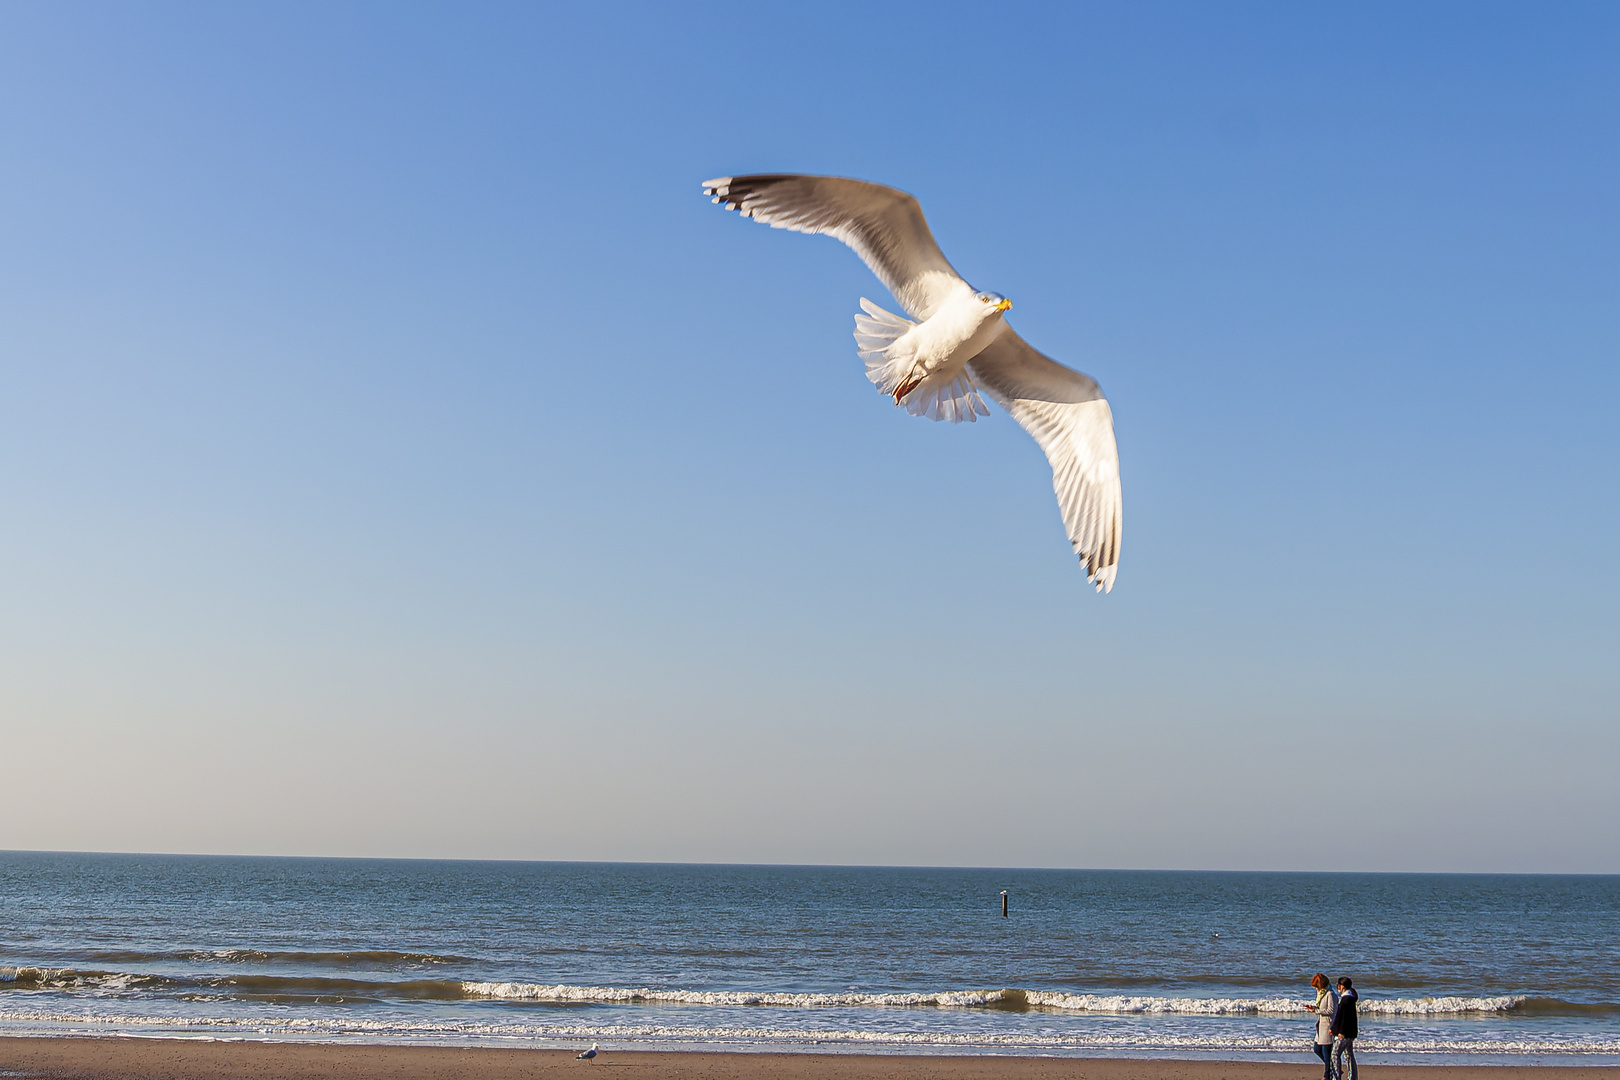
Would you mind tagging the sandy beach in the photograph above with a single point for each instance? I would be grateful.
(178, 1059)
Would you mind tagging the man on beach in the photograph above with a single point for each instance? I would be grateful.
(1343, 1028)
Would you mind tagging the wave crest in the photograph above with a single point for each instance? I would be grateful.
(789, 1038)
(1004, 998)
(314, 987)
(613, 995)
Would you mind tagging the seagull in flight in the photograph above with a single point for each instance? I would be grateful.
(955, 344)
(589, 1055)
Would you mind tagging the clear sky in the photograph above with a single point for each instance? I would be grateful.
(400, 456)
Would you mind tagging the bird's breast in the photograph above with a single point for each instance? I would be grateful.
(983, 334)
(952, 337)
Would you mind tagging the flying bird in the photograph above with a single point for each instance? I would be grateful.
(955, 344)
(589, 1055)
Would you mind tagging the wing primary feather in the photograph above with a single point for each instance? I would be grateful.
(1066, 414)
(1062, 409)
(885, 227)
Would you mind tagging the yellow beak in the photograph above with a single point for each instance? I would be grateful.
(1004, 305)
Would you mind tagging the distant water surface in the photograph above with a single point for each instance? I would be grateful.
(1452, 968)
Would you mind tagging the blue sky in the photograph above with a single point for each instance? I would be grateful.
(401, 457)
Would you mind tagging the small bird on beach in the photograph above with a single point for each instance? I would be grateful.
(589, 1055)
(955, 343)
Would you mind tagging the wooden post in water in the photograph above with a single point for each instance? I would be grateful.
(1003, 903)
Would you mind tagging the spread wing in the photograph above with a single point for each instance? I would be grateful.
(885, 227)
(1066, 413)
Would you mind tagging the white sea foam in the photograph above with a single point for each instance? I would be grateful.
(1085, 1003)
(1119, 1004)
(72, 979)
(1179, 1006)
(619, 995)
(1183, 1006)
(1438, 1006)
(782, 1038)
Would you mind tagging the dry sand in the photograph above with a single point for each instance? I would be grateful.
(175, 1059)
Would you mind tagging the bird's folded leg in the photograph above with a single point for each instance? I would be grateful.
(911, 383)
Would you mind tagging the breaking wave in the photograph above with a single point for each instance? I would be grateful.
(628, 1036)
(327, 958)
(341, 990)
(271, 988)
(332, 990)
(966, 999)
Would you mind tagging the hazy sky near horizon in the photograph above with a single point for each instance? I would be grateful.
(399, 455)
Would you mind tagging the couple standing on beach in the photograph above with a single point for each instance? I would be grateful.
(1335, 1027)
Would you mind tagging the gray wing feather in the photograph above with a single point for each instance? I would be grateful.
(1068, 416)
(885, 227)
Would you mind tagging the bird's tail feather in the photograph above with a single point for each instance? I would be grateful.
(955, 401)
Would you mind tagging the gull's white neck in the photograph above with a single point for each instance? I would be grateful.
(956, 333)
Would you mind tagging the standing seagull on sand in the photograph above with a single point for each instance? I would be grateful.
(589, 1055)
(955, 343)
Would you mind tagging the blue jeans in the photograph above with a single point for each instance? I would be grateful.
(1325, 1052)
(1344, 1048)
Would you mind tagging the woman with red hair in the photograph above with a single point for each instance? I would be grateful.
(1325, 1002)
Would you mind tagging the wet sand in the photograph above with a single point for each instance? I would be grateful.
(114, 1058)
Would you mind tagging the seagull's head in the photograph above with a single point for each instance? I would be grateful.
(996, 301)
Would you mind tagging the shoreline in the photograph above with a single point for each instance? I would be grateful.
(118, 1057)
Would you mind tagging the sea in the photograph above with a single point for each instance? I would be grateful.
(1452, 968)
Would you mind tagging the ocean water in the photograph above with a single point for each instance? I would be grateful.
(1451, 968)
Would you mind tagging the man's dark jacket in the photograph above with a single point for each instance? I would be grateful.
(1344, 1016)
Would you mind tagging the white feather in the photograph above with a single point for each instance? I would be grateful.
(885, 227)
(895, 348)
(954, 347)
(1065, 412)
